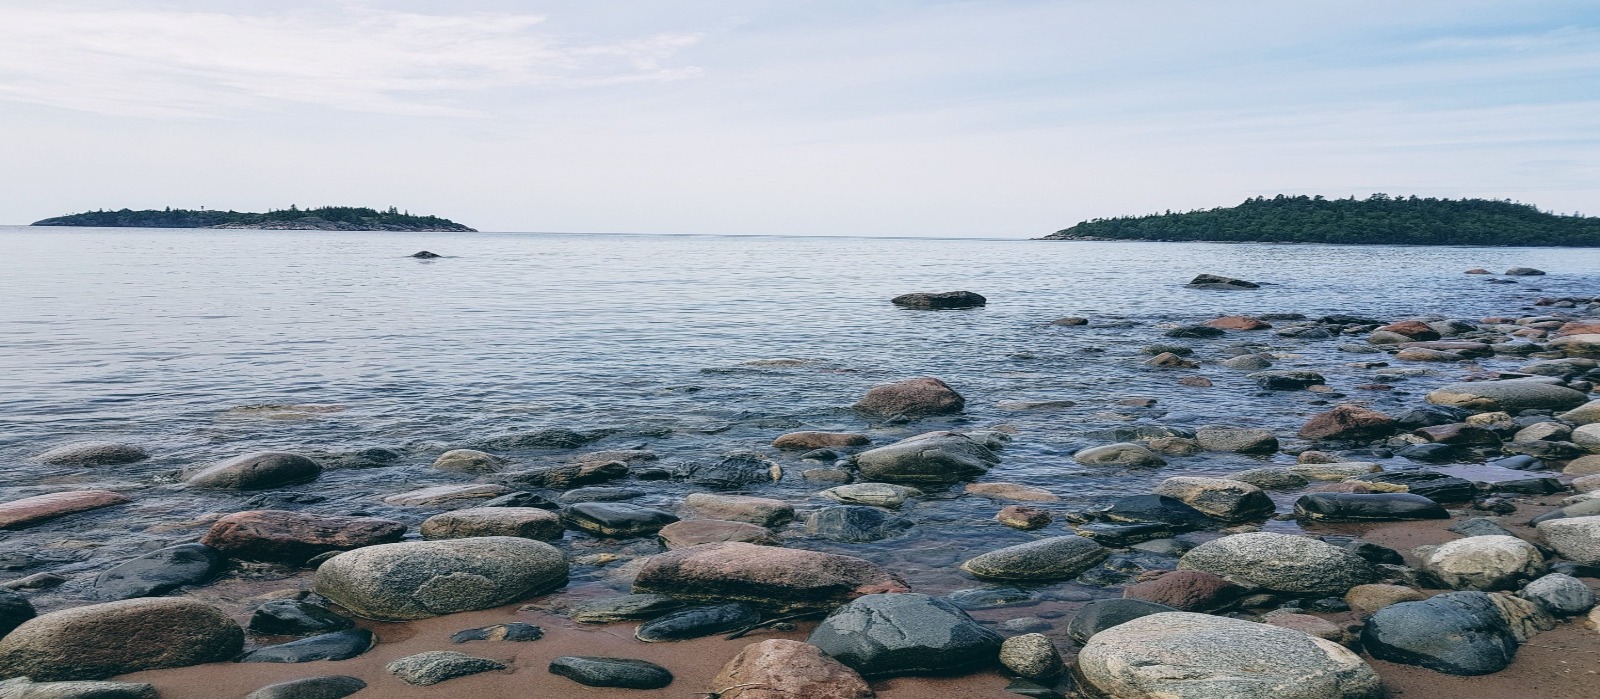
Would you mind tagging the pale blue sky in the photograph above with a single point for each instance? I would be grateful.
(826, 117)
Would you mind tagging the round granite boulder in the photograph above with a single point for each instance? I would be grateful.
(104, 640)
(420, 579)
(1510, 396)
(1281, 563)
(1484, 562)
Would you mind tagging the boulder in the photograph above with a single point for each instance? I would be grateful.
(40, 508)
(1281, 563)
(525, 522)
(23, 688)
(98, 641)
(820, 440)
(1458, 633)
(1511, 396)
(1168, 360)
(937, 457)
(1559, 594)
(1575, 538)
(766, 576)
(1121, 454)
(1349, 423)
(625, 673)
(872, 494)
(1491, 562)
(855, 524)
(1411, 330)
(912, 398)
(1524, 272)
(469, 461)
(327, 687)
(1240, 440)
(1032, 655)
(1359, 507)
(764, 512)
(1220, 283)
(732, 471)
(939, 300)
(783, 669)
(693, 532)
(1055, 558)
(296, 537)
(420, 579)
(159, 572)
(1287, 380)
(1186, 590)
(255, 471)
(435, 666)
(338, 645)
(448, 496)
(887, 635)
(615, 519)
(1229, 501)
(93, 454)
(1197, 656)
(1103, 614)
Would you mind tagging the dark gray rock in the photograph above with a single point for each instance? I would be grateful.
(1103, 614)
(266, 469)
(329, 687)
(159, 572)
(936, 457)
(1195, 331)
(522, 498)
(616, 519)
(433, 667)
(23, 688)
(421, 255)
(624, 608)
(1220, 283)
(1458, 633)
(287, 617)
(694, 622)
(1559, 594)
(940, 300)
(1433, 485)
(599, 493)
(1529, 486)
(515, 631)
(547, 438)
(1055, 558)
(1122, 535)
(1430, 453)
(625, 673)
(1367, 507)
(1480, 526)
(94, 454)
(339, 645)
(14, 609)
(1287, 380)
(855, 524)
(887, 635)
(731, 472)
(1157, 508)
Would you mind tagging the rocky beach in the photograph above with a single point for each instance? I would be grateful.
(1258, 502)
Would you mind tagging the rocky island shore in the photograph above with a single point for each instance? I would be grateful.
(1442, 546)
(326, 218)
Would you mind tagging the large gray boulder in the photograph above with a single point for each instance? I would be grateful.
(98, 641)
(888, 635)
(420, 579)
(1199, 656)
(935, 457)
(264, 469)
(1561, 595)
(1510, 396)
(1281, 563)
(1055, 558)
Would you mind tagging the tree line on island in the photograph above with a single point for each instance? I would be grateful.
(1377, 220)
(345, 218)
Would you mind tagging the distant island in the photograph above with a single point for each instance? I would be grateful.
(1377, 220)
(327, 218)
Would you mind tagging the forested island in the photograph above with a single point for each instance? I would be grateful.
(1377, 220)
(326, 218)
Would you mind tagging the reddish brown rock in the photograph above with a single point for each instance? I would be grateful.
(1195, 381)
(1414, 329)
(1309, 625)
(1188, 590)
(21, 513)
(1578, 328)
(820, 440)
(1239, 323)
(693, 532)
(1024, 517)
(522, 522)
(1349, 422)
(913, 397)
(294, 537)
(775, 578)
(784, 669)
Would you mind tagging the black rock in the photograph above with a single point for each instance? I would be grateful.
(611, 672)
(1459, 633)
(1433, 485)
(1195, 331)
(1430, 453)
(159, 572)
(1519, 463)
(1430, 416)
(1221, 283)
(989, 598)
(515, 631)
(732, 471)
(1375, 553)
(1539, 449)
(599, 493)
(425, 255)
(330, 687)
(1529, 486)
(855, 524)
(1179, 350)
(940, 300)
(1119, 535)
(1134, 433)
(14, 609)
(1103, 614)
(339, 645)
(1157, 508)
(1287, 380)
(522, 498)
(547, 438)
(1576, 570)
(295, 618)
(695, 622)
(1029, 688)
(616, 519)
(1342, 319)
(888, 635)
(1366, 507)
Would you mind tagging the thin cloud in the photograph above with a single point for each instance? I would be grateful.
(193, 64)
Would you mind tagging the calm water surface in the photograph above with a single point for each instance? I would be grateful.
(177, 339)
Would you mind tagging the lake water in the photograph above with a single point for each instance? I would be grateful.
(175, 340)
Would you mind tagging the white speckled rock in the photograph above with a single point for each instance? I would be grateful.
(1575, 538)
(420, 579)
(1484, 562)
(1281, 563)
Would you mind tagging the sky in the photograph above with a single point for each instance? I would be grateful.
(802, 117)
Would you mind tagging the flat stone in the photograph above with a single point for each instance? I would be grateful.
(1156, 508)
(767, 576)
(525, 522)
(693, 532)
(940, 300)
(1011, 491)
(872, 494)
(567, 476)
(40, 508)
(1361, 507)
(1242, 440)
(913, 398)
(1434, 485)
(733, 471)
(464, 495)
(625, 673)
(1372, 597)
(888, 635)
(764, 512)
(296, 537)
(1123, 534)
(420, 579)
(339, 645)
(159, 572)
(1271, 478)
(784, 669)
(820, 440)
(695, 622)
(1055, 558)
(543, 438)
(71, 644)
(616, 519)
(1335, 471)
(93, 454)
(433, 667)
(255, 471)
(515, 632)
(328, 687)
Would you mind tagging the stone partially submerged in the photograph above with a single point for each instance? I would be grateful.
(1281, 563)
(1055, 558)
(420, 579)
(766, 576)
(912, 398)
(935, 457)
(1510, 396)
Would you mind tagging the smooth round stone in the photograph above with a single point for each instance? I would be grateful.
(1198, 656)
(1281, 563)
(917, 397)
(433, 667)
(1511, 396)
(524, 522)
(616, 519)
(625, 673)
(17, 514)
(935, 457)
(1103, 614)
(1561, 595)
(1366, 507)
(1484, 562)
(71, 644)
(871, 494)
(516, 632)
(694, 622)
(159, 572)
(624, 608)
(296, 537)
(889, 635)
(287, 617)
(783, 669)
(855, 524)
(339, 645)
(1286, 380)
(820, 440)
(256, 471)
(1011, 491)
(1032, 655)
(1575, 538)
(1120, 454)
(1055, 558)
(764, 512)
(329, 687)
(470, 461)
(693, 532)
(1458, 633)
(93, 454)
(420, 579)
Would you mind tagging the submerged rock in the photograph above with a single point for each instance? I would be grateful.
(913, 398)
(820, 440)
(873, 494)
(1157, 508)
(1241, 440)
(159, 572)
(936, 457)
(616, 519)
(420, 579)
(1220, 283)
(525, 522)
(1229, 501)
(469, 461)
(1287, 380)
(694, 622)
(93, 454)
(764, 512)
(1055, 558)
(256, 471)
(1510, 396)
(693, 532)
(855, 524)
(40, 508)
(1121, 454)
(766, 576)
(295, 537)
(888, 635)
(732, 471)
